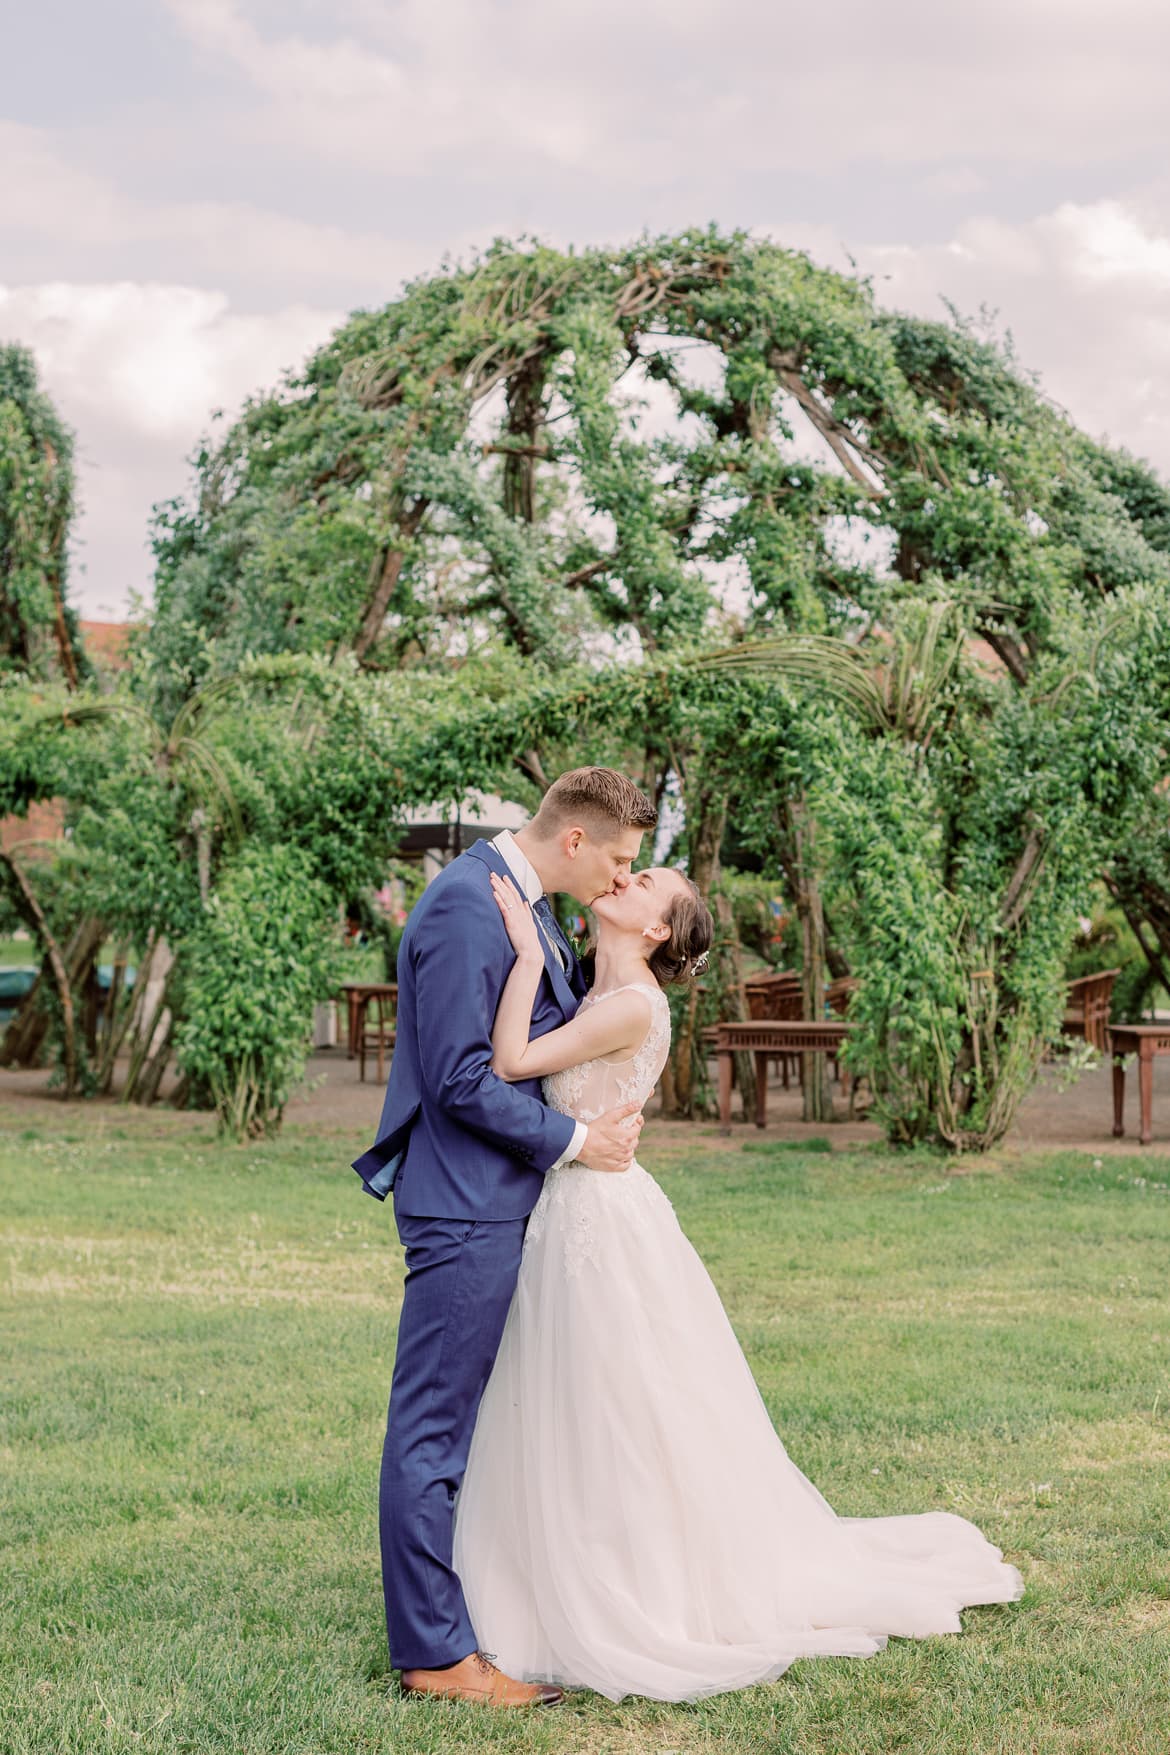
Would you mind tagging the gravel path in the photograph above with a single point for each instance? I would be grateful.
(336, 1101)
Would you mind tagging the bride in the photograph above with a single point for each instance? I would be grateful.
(629, 1521)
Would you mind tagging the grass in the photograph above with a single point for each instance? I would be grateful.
(17, 953)
(23, 952)
(200, 1341)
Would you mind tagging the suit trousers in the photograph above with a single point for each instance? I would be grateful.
(460, 1276)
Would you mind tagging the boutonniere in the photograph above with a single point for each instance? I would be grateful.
(578, 944)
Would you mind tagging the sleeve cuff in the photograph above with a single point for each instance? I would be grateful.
(574, 1147)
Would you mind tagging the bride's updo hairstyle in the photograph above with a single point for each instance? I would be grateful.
(684, 953)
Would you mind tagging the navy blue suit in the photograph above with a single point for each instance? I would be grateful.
(465, 1154)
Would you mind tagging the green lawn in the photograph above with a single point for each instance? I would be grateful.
(17, 953)
(197, 1346)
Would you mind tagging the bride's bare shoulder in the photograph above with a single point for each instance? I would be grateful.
(633, 998)
(623, 1022)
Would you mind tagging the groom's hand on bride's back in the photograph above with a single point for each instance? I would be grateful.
(612, 1139)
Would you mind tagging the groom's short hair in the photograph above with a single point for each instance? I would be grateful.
(597, 799)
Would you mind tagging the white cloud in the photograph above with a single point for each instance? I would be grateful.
(136, 370)
(563, 121)
(47, 195)
(164, 258)
(339, 72)
(1083, 292)
(954, 180)
(648, 89)
(155, 359)
(1107, 241)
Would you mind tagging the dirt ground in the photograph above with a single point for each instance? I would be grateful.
(335, 1100)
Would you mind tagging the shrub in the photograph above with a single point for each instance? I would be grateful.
(251, 975)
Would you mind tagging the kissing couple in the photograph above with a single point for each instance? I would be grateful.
(581, 1485)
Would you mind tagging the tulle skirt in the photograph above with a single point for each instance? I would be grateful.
(629, 1520)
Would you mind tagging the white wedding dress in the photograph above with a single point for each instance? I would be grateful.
(629, 1520)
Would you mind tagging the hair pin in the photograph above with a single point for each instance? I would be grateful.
(699, 966)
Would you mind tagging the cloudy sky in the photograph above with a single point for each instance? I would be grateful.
(194, 192)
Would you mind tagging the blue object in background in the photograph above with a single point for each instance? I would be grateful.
(105, 977)
(14, 984)
(16, 981)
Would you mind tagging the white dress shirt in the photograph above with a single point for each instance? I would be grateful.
(531, 888)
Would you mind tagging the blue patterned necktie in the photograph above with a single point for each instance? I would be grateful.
(552, 932)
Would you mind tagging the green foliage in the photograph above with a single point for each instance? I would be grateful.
(901, 926)
(762, 934)
(38, 631)
(485, 530)
(967, 819)
(385, 930)
(158, 812)
(568, 453)
(251, 974)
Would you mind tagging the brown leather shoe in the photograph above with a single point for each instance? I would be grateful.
(476, 1679)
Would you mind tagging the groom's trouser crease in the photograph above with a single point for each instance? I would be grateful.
(459, 1284)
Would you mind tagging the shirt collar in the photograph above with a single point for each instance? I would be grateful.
(518, 864)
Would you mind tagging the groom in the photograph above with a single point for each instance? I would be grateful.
(466, 1156)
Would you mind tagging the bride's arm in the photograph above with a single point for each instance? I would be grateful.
(616, 1028)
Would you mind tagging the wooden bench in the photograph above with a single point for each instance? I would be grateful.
(776, 998)
(1088, 1005)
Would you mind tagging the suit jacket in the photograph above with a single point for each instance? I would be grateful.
(455, 1141)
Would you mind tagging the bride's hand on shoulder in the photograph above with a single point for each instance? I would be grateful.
(519, 920)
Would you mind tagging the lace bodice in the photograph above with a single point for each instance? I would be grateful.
(577, 1206)
(588, 1090)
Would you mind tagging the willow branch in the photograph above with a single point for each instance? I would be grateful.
(1027, 870)
(1006, 649)
(839, 439)
(390, 568)
(584, 574)
(32, 911)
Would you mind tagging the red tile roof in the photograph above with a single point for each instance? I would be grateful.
(43, 822)
(106, 642)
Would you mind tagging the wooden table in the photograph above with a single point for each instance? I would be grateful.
(770, 1037)
(1144, 1040)
(358, 995)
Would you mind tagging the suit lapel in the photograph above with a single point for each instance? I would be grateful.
(566, 998)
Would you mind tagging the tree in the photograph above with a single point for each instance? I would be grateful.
(485, 530)
(39, 634)
(587, 456)
(967, 817)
